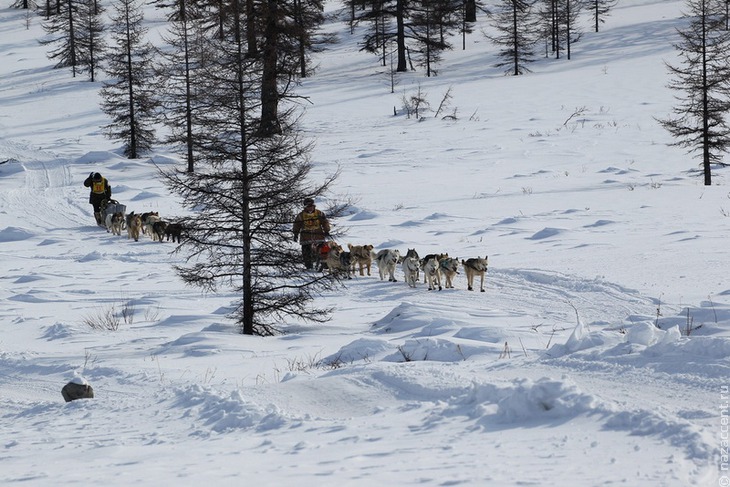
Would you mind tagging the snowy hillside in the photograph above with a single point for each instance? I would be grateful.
(598, 355)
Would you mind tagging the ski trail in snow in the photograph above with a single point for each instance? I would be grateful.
(47, 201)
(58, 206)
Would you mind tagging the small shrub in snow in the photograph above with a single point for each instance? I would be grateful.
(103, 319)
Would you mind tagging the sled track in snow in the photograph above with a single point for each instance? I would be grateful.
(595, 301)
(44, 201)
(542, 297)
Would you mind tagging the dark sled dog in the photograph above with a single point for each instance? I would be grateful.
(475, 267)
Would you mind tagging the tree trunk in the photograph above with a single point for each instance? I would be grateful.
(470, 10)
(253, 49)
(269, 124)
(705, 109)
(132, 115)
(401, 36)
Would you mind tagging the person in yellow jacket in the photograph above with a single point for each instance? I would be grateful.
(310, 227)
(100, 191)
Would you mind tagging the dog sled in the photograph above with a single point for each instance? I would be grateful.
(320, 250)
(109, 207)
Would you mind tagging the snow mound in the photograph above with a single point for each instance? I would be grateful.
(409, 316)
(360, 349)
(145, 195)
(159, 160)
(91, 256)
(647, 334)
(95, 157)
(389, 244)
(26, 279)
(14, 234)
(436, 216)
(59, 331)
(224, 413)
(546, 233)
(10, 166)
(191, 345)
(545, 398)
(363, 215)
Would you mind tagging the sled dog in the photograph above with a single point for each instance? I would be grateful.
(320, 252)
(339, 262)
(148, 221)
(387, 260)
(158, 230)
(449, 267)
(145, 216)
(116, 222)
(134, 226)
(413, 253)
(428, 257)
(362, 257)
(410, 270)
(174, 231)
(431, 273)
(108, 222)
(475, 267)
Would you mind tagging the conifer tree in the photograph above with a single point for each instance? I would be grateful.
(386, 20)
(127, 98)
(429, 24)
(703, 82)
(91, 37)
(25, 4)
(568, 17)
(64, 33)
(600, 9)
(183, 56)
(516, 26)
(422, 25)
(243, 195)
(559, 25)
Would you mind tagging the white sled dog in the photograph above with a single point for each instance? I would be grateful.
(428, 257)
(475, 267)
(431, 273)
(387, 260)
(410, 270)
(108, 222)
(413, 253)
(449, 267)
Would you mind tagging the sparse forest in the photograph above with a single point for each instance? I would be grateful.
(223, 84)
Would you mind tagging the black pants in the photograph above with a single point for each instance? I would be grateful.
(96, 202)
(308, 255)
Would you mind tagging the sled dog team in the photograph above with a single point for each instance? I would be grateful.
(148, 223)
(439, 270)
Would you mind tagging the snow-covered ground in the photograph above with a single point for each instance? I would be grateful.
(574, 368)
